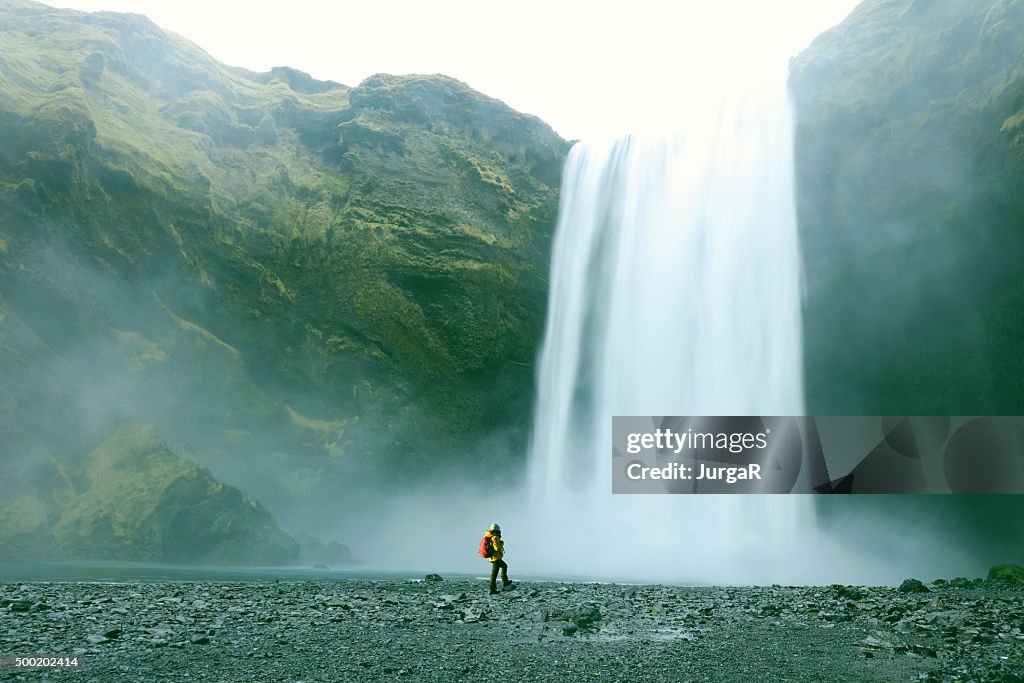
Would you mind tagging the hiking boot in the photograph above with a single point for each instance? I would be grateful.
(493, 592)
(506, 583)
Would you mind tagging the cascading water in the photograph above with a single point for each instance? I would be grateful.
(675, 290)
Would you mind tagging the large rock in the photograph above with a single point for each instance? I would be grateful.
(1011, 574)
(140, 500)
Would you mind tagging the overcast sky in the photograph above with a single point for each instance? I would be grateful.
(586, 68)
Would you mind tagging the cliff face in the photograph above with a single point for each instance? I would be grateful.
(307, 283)
(910, 160)
(910, 164)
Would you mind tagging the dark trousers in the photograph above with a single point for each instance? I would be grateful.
(495, 566)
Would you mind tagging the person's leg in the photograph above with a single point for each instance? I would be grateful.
(504, 573)
(494, 575)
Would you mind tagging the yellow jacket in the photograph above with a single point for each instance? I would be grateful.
(497, 545)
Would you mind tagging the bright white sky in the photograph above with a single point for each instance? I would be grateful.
(587, 68)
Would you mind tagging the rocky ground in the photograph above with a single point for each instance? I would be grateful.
(446, 630)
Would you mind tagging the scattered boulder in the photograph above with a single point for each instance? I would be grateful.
(1012, 574)
(913, 586)
(849, 592)
(446, 601)
(587, 618)
(961, 582)
(471, 616)
(877, 642)
(433, 578)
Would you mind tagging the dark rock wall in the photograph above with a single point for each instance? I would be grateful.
(910, 168)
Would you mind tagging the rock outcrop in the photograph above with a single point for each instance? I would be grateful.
(134, 498)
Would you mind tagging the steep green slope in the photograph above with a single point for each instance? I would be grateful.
(910, 159)
(313, 286)
(910, 164)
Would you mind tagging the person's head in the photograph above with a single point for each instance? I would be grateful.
(495, 530)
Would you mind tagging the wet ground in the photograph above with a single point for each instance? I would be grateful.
(451, 630)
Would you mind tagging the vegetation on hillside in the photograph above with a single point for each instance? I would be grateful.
(910, 155)
(311, 285)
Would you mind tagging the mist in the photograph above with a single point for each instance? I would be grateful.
(431, 522)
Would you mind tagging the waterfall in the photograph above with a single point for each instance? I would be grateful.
(675, 290)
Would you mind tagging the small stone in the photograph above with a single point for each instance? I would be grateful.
(97, 639)
(876, 643)
(200, 640)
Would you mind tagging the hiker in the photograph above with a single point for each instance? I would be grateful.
(493, 548)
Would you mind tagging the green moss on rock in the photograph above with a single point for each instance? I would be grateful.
(219, 247)
(1010, 574)
(141, 500)
(908, 161)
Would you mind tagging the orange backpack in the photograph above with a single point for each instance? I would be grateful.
(486, 549)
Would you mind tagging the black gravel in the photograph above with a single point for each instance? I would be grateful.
(362, 630)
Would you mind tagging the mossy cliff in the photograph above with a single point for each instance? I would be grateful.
(910, 163)
(910, 159)
(307, 284)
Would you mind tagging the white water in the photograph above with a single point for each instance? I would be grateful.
(675, 290)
